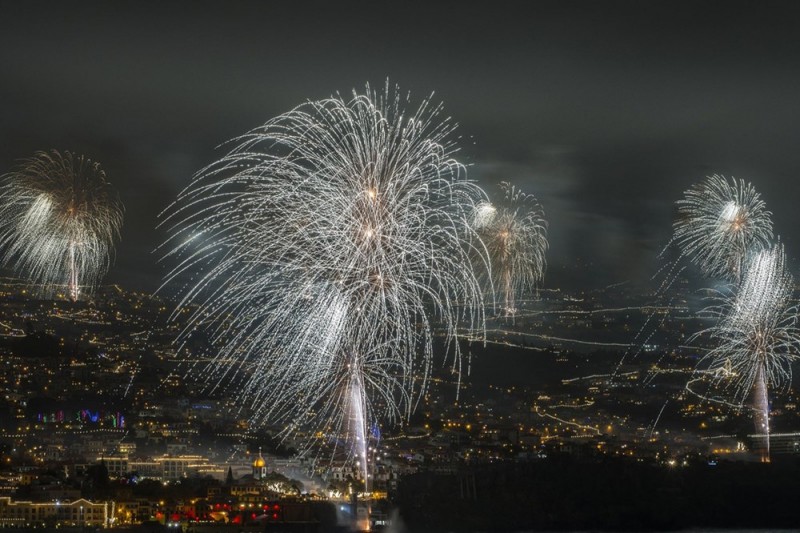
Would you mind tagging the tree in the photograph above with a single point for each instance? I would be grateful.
(97, 484)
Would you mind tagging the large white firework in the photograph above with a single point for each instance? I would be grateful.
(720, 221)
(756, 332)
(514, 232)
(325, 250)
(757, 336)
(59, 221)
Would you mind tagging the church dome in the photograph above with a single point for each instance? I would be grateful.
(259, 463)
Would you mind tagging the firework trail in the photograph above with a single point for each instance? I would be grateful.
(320, 253)
(658, 417)
(514, 232)
(59, 221)
(720, 221)
(356, 407)
(757, 334)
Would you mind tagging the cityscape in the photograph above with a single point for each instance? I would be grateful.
(257, 274)
(100, 387)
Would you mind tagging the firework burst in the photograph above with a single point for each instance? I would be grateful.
(322, 250)
(719, 222)
(514, 232)
(757, 332)
(59, 221)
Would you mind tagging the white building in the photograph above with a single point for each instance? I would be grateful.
(76, 513)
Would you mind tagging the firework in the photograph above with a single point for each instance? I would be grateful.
(757, 327)
(515, 235)
(757, 334)
(59, 221)
(719, 222)
(323, 248)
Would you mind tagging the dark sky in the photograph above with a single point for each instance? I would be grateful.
(606, 111)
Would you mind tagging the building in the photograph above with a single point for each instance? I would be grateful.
(76, 513)
(172, 468)
(117, 465)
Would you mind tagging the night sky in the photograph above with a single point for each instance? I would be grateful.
(606, 111)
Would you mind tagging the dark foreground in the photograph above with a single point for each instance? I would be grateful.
(612, 494)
